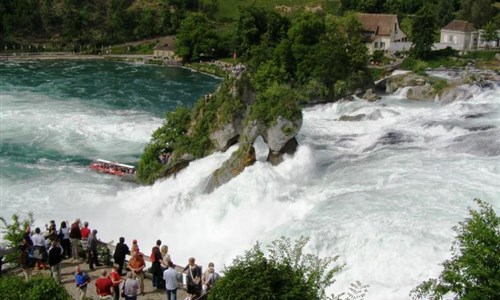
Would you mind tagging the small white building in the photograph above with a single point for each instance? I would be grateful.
(462, 36)
(382, 32)
(459, 35)
(165, 49)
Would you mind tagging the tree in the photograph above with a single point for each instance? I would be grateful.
(473, 271)
(286, 273)
(479, 12)
(196, 38)
(423, 29)
(13, 233)
(446, 10)
(490, 33)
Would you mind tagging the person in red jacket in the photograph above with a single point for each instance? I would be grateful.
(104, 286)
(85, 232)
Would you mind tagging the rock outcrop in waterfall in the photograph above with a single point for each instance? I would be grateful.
(234, 114)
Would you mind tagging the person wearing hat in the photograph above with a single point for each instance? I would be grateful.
(135, 247)
(92, 250)
(137, 264)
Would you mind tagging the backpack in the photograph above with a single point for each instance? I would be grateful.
(155, 253)
(212, 279)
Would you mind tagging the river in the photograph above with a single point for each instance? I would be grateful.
(382, 193)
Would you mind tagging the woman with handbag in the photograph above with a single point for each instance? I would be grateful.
(194, 279)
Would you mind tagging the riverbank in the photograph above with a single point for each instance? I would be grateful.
(209, 68)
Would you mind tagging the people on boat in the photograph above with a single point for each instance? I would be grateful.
(112, 168)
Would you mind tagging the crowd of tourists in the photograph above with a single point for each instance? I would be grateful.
(46, 250)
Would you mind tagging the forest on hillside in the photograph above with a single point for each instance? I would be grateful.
(104, 22)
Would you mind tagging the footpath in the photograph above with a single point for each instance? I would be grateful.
(68, 281)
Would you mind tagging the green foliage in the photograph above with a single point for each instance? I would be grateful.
(490, 33)
(482, 55)
(196, 38)
(440, 85)
(472, 272)
(13, 234)
(479, 12)
(39, 287)
(267, 74)
(287, 273)
(415, 65)
(164, 139)
(423, 29)
(276, 100)
(91, 22)
(378, 56)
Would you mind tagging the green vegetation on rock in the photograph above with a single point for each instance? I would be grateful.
(277, 100)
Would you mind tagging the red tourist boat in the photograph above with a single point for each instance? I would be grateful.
(113, 168)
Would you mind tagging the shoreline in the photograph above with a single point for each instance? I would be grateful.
(72, 56)
(144, 58)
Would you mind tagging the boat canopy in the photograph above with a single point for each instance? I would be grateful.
(114, 164)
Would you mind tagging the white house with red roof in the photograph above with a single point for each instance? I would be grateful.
(382, 32)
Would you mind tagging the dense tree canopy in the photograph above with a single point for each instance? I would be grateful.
(424, 28)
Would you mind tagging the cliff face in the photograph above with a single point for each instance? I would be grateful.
(235, 113)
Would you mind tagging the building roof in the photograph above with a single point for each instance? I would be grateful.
(380, 24)
(167, 43)
(459, 25)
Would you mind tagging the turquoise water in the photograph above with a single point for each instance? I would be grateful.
(51, 107)
(58, 116)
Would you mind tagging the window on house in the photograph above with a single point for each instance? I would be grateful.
(376, 44)
(454, 39)
(382, 44)
(395, 28)
(445, 38)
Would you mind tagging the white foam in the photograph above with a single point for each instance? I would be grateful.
(386, 210)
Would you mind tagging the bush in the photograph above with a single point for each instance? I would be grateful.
(14, 233)
(277, 100)
(483, 55)
(473, 271)
(287, 273)
(39, 287)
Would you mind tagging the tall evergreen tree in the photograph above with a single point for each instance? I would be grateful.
(423, 29)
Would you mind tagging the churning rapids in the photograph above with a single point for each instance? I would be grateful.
(382, 192)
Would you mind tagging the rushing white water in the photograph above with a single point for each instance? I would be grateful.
(382, 192)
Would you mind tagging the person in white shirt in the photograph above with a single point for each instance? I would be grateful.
(40, 250)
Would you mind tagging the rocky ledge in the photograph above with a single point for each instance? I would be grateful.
(439, 85)
(237, 114)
